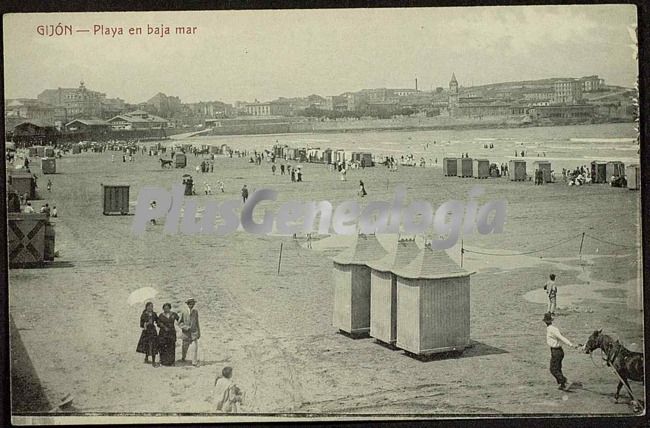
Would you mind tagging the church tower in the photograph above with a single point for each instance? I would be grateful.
(453, 95)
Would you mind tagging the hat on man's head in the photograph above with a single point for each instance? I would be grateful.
(548, 317)
(190, 300)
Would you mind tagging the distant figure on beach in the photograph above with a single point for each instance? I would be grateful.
(45, 209)
(207, 188)
(189, 324)
(281, 169)
(167, 335)
(28, 208)
(244, 193)
(112, 158)
(148, 343)
(54, 213)
(273, 169)
(227, 395)
(49, 185)
(123, 158)
(343, 172)
(299, 175)
(551, 292)
(522, 153)
(221, 186)
(362, 189)
(152, 206)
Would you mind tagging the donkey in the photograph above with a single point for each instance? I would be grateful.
(628, 364)
(166, 163)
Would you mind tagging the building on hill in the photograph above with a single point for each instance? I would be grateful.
(164, 105)
(567, 91)
(24, 108)
(592, 83)
(79, 102)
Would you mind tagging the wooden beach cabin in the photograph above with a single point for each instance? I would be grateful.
(116, 198)
(40, 151)
(598, 172)
(48, 152)
(433, 304)
(517, 170)
(464, 168)
(633, 175)
(614, 168)
(30, 239)
(450, 167)
(327, 156)
(545, 167)
(383, 290)
(180, 160)
(48, 165)
(33, 151)
(352, 285)
(481, 168)
(22, 182)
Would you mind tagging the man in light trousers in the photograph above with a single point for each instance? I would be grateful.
(189, 324)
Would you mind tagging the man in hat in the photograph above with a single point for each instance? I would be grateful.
(189, 324)
(554, 340)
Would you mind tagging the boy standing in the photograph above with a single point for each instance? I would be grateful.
(551, 291)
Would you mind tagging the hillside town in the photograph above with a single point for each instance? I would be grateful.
(85, 112)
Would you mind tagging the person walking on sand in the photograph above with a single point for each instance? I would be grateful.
(362, 189)
(49, 185)
(191, 332)
(273, 169)
(551, 292)
(244, 193)
(148, 343)
(554, 340)
(167, 335)
(227, 395)
(221, 186)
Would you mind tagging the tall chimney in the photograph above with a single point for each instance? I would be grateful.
(416, 84)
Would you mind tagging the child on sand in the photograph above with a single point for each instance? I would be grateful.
(227, 395)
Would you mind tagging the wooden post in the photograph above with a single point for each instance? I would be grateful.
(280, 258)
(462, 251)
(581, 241)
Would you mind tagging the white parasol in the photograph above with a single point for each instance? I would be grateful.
(141, 295)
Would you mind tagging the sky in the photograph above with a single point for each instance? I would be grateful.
(248, 55)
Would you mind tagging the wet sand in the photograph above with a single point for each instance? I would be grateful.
(275, 330)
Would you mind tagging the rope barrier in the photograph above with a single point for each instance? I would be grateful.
(527, 252)
(611, 243)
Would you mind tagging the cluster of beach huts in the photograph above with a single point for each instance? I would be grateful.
(413, 299)
(601, 171)
(325, 156)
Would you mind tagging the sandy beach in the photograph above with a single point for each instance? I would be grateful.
(276, 330)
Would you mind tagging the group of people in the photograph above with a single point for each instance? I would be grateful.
(577, 177)
(158, 335)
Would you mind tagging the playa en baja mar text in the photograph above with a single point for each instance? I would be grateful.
(377, 217)
(57, 30)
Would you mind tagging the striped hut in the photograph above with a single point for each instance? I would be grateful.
(383, 290)
(352, 285)
(433, 304)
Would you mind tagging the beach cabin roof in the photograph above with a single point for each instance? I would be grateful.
(405, 252)
(431, 264)
(366, 248)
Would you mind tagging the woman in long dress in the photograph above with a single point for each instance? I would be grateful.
(148, 343)
(167, 335)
